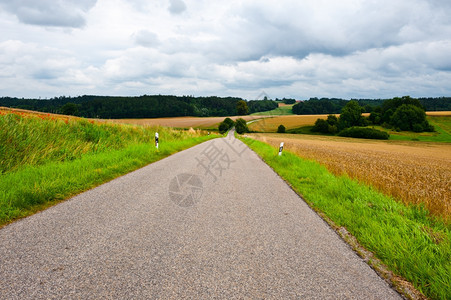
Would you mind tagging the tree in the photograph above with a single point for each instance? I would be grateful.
(241, 126)
(281, 129)
(332, 120)
(225, 125)
(241, 108)
(229, 122)
(70, 109)
(351, 115)
(410, 117)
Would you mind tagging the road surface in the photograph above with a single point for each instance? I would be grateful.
(213, 221)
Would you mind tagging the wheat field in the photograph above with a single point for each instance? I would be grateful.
(184, 122)
(296, 121)
(413, 172)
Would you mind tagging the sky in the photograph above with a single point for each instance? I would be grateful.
(285, 48)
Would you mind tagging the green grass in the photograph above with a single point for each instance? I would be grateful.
(406, 239)
(280, 111)
(46, 161)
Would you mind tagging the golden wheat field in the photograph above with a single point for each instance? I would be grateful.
(296, 121)
(290, 122)
(413, 172)
(184, 122)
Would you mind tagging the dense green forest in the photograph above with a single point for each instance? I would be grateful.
(315, 106)
(154, 106)
(146, 106)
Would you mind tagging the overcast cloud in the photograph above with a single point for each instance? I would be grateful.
(287, 48)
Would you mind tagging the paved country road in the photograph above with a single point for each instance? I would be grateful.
(213, 221)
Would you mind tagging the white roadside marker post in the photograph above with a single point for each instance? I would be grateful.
(156, 140)
(280, 149)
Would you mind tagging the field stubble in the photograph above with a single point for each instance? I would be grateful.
(416, 173)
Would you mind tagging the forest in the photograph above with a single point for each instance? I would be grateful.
(146, 106)
(315, 106)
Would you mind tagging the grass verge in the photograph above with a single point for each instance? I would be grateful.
(406, 239)
(44, 161)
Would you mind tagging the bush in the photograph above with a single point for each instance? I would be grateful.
(321, 125)
(223, 128)
(241, 126)
(332, 120)
(326, 126)
(332, 129)
(225, 125)
(364, 133)
(281, 129)
(417, 128)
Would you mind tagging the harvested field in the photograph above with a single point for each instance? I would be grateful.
(439, 113)
(290, 122)
(184, 122)
(415, 172)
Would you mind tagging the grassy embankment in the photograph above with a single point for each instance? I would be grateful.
(405, 238)
(47, 158)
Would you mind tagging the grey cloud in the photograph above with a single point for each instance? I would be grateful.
(176, 6)
(70, 13)
(338, 29)
(146, 38)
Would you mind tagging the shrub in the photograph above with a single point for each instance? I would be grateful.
(365, 133)
(223, 128)
(332, 129)
(332, 120)
(417, 128)
(321, 125)
(326, 126)
(241, 126)
(281, 129)
(225, 125)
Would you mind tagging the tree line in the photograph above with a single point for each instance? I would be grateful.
(146, 106)
(400, 114)
(315, 106)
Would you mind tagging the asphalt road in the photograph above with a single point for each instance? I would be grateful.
(213, 221)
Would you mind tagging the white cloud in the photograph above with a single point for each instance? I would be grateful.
(301, 49)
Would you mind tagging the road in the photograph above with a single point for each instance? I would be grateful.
(213, 221)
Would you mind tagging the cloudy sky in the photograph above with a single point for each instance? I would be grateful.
(286, 48)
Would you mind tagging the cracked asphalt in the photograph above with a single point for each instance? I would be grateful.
(211, 222)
